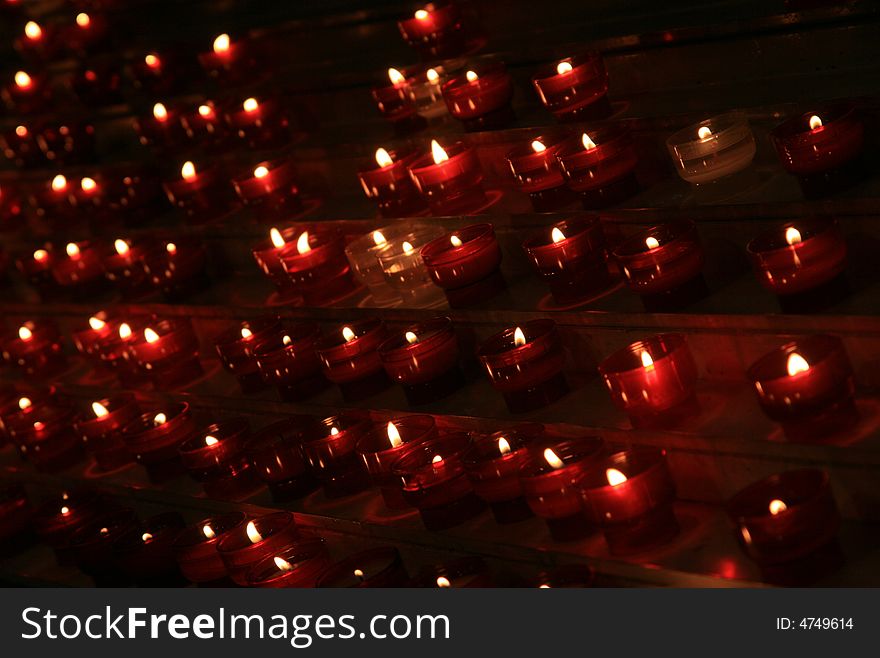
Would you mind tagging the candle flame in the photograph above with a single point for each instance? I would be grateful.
(83, 20)
(211, 440)
(334, 431)
(614, 477)
(422, 14)
(438, 152)
(471, 76)
(792, 236)
(206, 111)
(456, 241)
(552, 458)
(124, 331)
(39, 425)
(563, 67)
(252, 533)
(59, 182)
(65, 510)
(302, 243)
(96, 323)
(348, 334)
(88, 184)
(777, 506)
(519, 338)
(358, 573)
(394, 435)
(651, 242)
(588, 143)
(99, 410)
(432, 76)
(246, 333)
(443, 581)
(24, 403)
(383, 158)
(221, 44)
(282, 564)
(147, 537)
(438, 459)
(150, 336)
(160, 112)
(261, 172)
(286, 340)
(408, 248)
(704, 132)
(815, 122)
(647, 360)
(396, 77)
(276, 237)
(379, 238)
(122, 247)
(250, 105)
(32, 30)
(796, 364)
(557, 235)
(188, 170)
(24, 333)
(171, 248)
(538, 147)
(104, 531)
(160, 419)
(152, 61)
(411, 337)
(22, 79)
(503, 446)
(41, 254)
(72, 250)
(208, 531)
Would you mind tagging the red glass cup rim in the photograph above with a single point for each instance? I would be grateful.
(346, 566)
(361, 329)
(524, 152)
(798, 127)
(222, 431)
(259, 327)
(474, 238)
(577, 61)
(266, 570)
(117, 523)
(489, 74)
(319, 431)
(323, 244)
(112, 403)
(606, 138)
(132, 540)
(666, 234)
(409, 427)
(633, 463)
(287, 431)
(773, 240)
(277, 522)
(455, 151)
(439, 330)
(399, 157)
(572, 229)
(297, 332)
(484, 447)
(283, 168)
(175, 412)
(773, 365)
(629, 358)
(220, 524)
(797, 487)
(77, 499)
(501, 346)
(572, 452)
(450, 447)
(165, 328)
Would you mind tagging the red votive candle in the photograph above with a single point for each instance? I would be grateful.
(162, 128)
(450, 179)
(215, 457)
(571, 258)
(465, 264)
(15, 519)
(100, 327)
(350, 358)
(113, 349)
(525, 364)
(600, 166)
(298, 565)
(168, 351)
(463, 572)
(630, 496)
(260, 124)
(288, 361)
(205, 127)
(37, 269)
(91, 547)
(158, 73)
(435, 482)
(145, 553)
(536, 170)
(178, 267)
(20, 147)
(81, 270)
(480, 96)
(375, 567)
(58, 518)
(195, 548)
(394, 101)
(330, 446)
(821, 147)
(124, 266)
(270, 189)
(385, 444)
(36, 349)
(551, 478)
(268, 255)
(37, 42)
(232, 62)
(261, 537)
(807, 385)
(87, 33)
(653, 380)
(54, 201)
(44, 437)
(317, 267)
(202, 195)
(435, 32)
(101, 429)
(153, 439)
(493, 465)
(18, 407)
(802, 261)
(664, 264)
(423, 359)
(786, 516)
(575, 89)
(236, 345)
(388, 183)
(277, 457)
(27, 94)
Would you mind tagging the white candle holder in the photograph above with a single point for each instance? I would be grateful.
(712, 149)
(405, 271)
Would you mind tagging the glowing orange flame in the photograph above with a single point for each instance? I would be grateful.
(408, 248)
(557, 235)
(99, 410)
(261, 172)
(777, 506)
(438, 153)
(651, 242)
(83, 20)
(206, 111)
(250, 105)
(122, 247)
(32, 30)
(65, 510)
(246, 333)
(443, 581)
(59, 182)
(302, 243)
(152, 61)
(24, 403)
(383, 158)
(614, 477)
(422, 14)
(647, 360)
(588, 143)
(72, 250)
(147, 537)
(96, 323)
(276, 237)
(432, 76)
(348, 334)
(378, 238)
(208, 531)
(503, 446)
(282, 564)
(23, 80)
(125, 331)
(171, 248)
(88, 184)
(519, 338)
(396, 77)
(563, 67)
(150, 336)
(471, 76)
(160, 112)
(538, 147)
(221, 44)
(41, 255)
(211, 440)
(455, 241)
(792, 236)
(188, 170)
(252, 533)
(24, 333)
(796, 364)
(411, 337)
(552, 458)
(815, 122)
(704, 132)
(394, 435)
(437, 459)
(160, 419)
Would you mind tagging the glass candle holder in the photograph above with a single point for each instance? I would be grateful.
(423, 359)
(20, 407)
(161, 73)
(525, 364)
(393, 101)
(277, 457)
(50, 443)
(801, 260)
(330, 446)
(821, 147)
(493, 465)
(361, 254)
(653, 380)
(87, 338)
(57, 519)
(202, 195)
(114, 352)
(81, 270)
(435, 482)
(89, 33)
(37, 43)
(261, 537)
(100, 428)
(15, 519)
(435, 32)
(807, 385)
(236, 346)
(425, 85)
(450, 178)
(215, 457)
(465, 264)
(385, 444)
(168, 352)
(318, 268)
(259, 123)
(54, 201)
(268, 255)
(575, 88)
(162, 129)
(37, 268)
(36, 349)
(19, 146)
(551, 478)
(270, 189)
(195, 549)
(459, 573)
(712, 149)
(536, 171)
(145, 553)
(388, 183)
(375, 567)
(27, 94)
(124, 267)
(91, 547)
(288, 361)
(630, 496)
(298, 565)
(664, 265)
(178, 267)
(786, 516)
(232, 61)
(571, 258)
(205, 127)
(154, 436)
(600, 166)
(405, 271)
(480, 97)
(350, 358)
